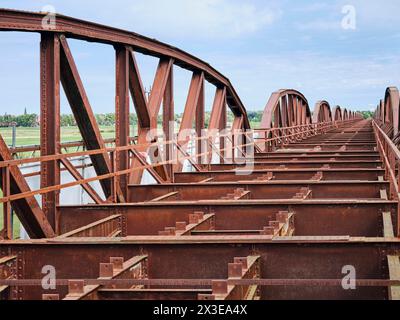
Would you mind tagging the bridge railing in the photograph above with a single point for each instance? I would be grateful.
(270, 139)
(232, 147)
(18, 195)
(391, 162)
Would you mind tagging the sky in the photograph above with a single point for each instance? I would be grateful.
(344, 51)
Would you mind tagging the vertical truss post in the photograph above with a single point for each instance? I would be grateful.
(157, 95)
(50, 121)
(169, 121)
(122, 115)
(222, 127)
(236, 128)
(7, 213)
(199, 123)
(290, 108)
(284, 111)
(114, 180)
(192, 104)
(215, 119)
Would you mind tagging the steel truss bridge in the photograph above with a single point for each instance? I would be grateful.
(277, 212)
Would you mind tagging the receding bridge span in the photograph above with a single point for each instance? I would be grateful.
(234, 212)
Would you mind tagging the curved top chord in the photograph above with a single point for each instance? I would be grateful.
(391, 105)
(345, 114)
(286, 108)
(379, 114)
(322, 112)
(387, 114)
(14, 20)
(337, 114)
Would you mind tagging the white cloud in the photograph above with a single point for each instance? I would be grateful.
(200, 19)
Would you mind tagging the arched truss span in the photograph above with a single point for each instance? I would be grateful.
(59, 70)
(286, 108)
(322, 112)
(58, 66)
(391, 107)
(337, 114)
(380, 112)
(345, 114)
(387, 113)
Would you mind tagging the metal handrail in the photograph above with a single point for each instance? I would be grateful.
(390, 155)
(7, 164)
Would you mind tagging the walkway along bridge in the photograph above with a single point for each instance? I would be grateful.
(285, 211)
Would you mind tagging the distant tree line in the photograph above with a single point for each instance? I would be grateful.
(24, 120)
(103, 119)
(254, 116)
(367, 114)
(108, 119)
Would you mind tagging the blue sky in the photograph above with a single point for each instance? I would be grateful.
(261, 46)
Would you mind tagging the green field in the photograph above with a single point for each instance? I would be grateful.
(31, 136)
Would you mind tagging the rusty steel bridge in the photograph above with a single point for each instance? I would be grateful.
(274, 212)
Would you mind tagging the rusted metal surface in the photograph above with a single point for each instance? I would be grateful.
(50, 132)
(286, 108)
(259, 190)
(134, 268)
(281, 212)
(306, 258)
(8, 270)
(113, 226)
(387, 114)
(122, 122)
(315, 217)
(322, 112)
(364, 174)
(241, 268)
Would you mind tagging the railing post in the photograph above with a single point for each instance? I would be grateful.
(398, 199)
(7, 218)
(114, 180)
(265, 141)
(221, 148)
(285, 134)
(233, 146)
(122, 114)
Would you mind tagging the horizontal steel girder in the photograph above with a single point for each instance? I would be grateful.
(312, 217)
(260, 190)
(297, 258)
